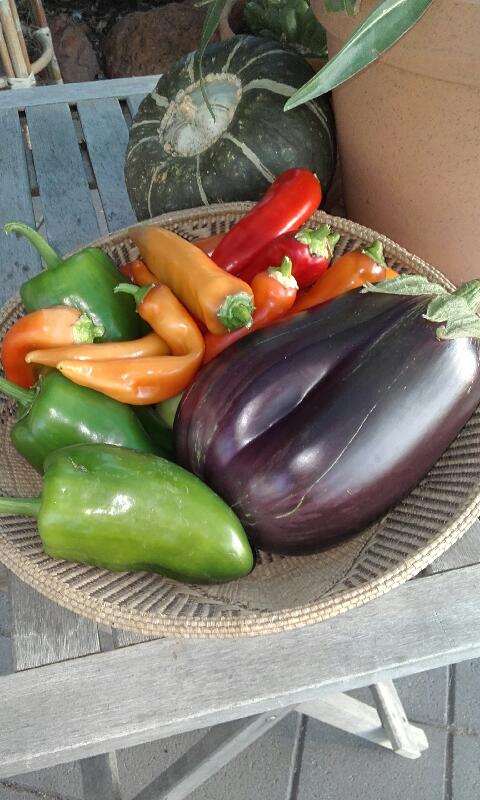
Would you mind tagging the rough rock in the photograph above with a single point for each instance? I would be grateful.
(74, 51)
(147, 43)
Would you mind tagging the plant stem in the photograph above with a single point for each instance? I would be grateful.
(23, 396)
(26, 506)
(50, 257)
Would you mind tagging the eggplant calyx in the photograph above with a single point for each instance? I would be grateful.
(457, 310)
(415, 285)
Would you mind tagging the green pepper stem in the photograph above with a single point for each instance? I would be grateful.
(23, 396)
(375, 251)
(50, 257)
(139, 292)
(26, 506)
(236, 311)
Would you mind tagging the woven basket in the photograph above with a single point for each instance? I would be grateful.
(281, 593)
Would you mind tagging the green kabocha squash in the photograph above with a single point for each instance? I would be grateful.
(179, 157)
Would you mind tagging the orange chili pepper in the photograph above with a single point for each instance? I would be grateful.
(209, 243)
(46, 327)
(149, 345)
(149, 379)
(222, 301)
(274, 290)
(348, 272)
(138, 273)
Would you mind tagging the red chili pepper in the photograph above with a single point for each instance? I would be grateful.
(310, 251)
(138, 273)
(46, 327)
(288, 203)
(274, 292)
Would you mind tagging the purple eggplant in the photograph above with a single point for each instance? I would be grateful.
(313, 428)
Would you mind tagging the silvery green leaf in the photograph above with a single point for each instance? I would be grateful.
(443, 308)
(387, 23)
(464, 328)
(406, 284)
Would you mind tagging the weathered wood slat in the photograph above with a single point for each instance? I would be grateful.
(106, 135)
(43, 632)
(72, 92)
(464, 553)
(133, 102)
(16, 257)
(69, 214)
(351, 715)
(406, 740)
(160, 688)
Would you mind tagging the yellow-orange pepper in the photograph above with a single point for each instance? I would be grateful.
(150, 345)
(220, 300)
(149, 379)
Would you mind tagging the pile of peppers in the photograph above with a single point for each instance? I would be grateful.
(101, 358)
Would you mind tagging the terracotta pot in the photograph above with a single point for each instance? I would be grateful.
(409, 134)
(231, 22)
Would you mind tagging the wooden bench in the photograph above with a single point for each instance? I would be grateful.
(61, 166)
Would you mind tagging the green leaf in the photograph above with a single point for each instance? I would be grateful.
(407, 285)
(210, 25)
(388, 21)
(466, 327)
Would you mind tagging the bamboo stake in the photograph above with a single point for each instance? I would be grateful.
(18, 28)
(14, 49)
(40, 18)
(39, 13)
(4, 57)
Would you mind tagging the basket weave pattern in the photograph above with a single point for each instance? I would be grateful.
(281, 593)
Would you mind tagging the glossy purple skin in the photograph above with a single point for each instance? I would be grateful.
(313, 428)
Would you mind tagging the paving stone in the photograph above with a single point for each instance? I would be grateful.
(466, 768)
(62, 781)
(337, 765)
(467, 696)
(424, 696)
(262, 770)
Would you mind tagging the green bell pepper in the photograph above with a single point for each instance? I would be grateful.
(57, 413)
(156, 428)
(121, 510)
(85, 280)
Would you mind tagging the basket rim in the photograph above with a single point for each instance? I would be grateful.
(256, 622)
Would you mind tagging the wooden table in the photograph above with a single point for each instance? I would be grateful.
(81, 691)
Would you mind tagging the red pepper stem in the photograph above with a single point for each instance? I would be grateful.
(236, 311)
(23, 396)
(375, 251)
(138, 292)
(25, 506)
(50, 257)
(316, 239)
